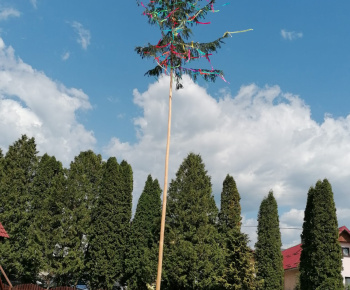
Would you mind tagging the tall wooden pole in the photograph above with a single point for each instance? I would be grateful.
(7, 279)
(162, 226)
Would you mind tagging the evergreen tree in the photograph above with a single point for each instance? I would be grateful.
(110, 226)
(19, 253)
(49, 189)
(269, 260)
(141, 260)
(192, 254)
(321, 256)
(1, 165)
(230, 211)
(238, 271)
(83, 186)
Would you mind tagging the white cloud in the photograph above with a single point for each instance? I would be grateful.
(291, 35)
(33, 104)
(264, 138)
(34, 3)
(6, 13)
(65, 56)
(84, 35)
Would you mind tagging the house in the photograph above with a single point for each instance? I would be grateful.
(3, 233)
(291, 260)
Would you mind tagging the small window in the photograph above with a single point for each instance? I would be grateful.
(347, 281)
(346, 252)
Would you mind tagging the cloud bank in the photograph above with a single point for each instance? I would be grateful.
(263, 137)
(33, 104)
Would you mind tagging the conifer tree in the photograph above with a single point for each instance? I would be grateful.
(19, 252)
(192, 253)
(141, 260)
(1, 165)
(269, 260)
(238, 271)
(110, 226)
(230, 211)
(49, 190)
(321, 256)
(83, 186)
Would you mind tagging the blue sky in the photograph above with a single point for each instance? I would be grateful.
(70, 78)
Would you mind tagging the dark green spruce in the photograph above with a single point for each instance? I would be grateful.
(110, 226)
(142, 255)
(238, 271)
(321, 256)
(83, 187)
(49, 192)
(269, 260)
(19, 253)
(192, 254)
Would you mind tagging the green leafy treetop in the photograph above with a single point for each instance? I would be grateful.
(175, 19)
(269, 260)
(321, 257)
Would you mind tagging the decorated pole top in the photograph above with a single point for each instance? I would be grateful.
(174, 50)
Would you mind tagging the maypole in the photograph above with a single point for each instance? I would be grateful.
(162, 225)
(173, 52)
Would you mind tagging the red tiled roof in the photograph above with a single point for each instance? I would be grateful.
(342, 229)
(3, 233)
(291, 256)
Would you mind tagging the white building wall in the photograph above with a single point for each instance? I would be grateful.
(346, 263)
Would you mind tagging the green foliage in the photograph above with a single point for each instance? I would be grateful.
(110, 226)
(269, 260)
(19, 253)
(1, 165)
(230, 211)
(192, 254)
(238, 271)
(175, 19)
(320, 261)
(48, 193)
(83, 186)
(142, 255)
